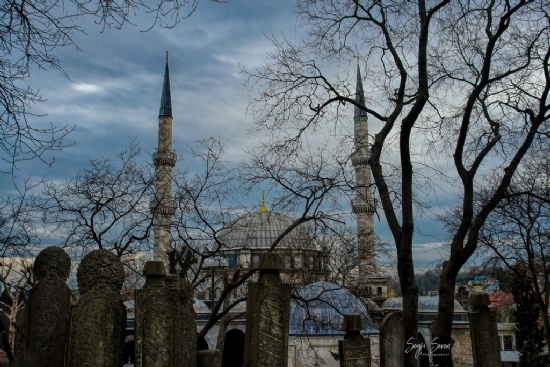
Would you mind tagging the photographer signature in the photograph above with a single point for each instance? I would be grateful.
(417, 347)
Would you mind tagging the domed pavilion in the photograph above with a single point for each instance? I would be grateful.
(316, 316)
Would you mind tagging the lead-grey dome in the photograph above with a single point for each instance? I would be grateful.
(260, 229)
(323, 308)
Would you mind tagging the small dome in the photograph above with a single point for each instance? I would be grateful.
(425, 304)
(323, 309)
(260, 229)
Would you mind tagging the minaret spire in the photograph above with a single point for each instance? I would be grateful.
(359, 94)
(263, 208)
(164, 207)
(166, 98)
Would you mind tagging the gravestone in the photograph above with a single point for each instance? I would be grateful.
(483, 331)
(187, 328)
(267, 316)
(98, 321)
(47, 317)
(165, 324)
(209, 358)
(354, 350)
(392, 342)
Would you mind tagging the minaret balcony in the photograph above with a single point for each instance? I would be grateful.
(165, 159)
(362, 205)
(167, 208)
(360, 158)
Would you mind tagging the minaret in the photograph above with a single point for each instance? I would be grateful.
(363, 204)
(164, 207)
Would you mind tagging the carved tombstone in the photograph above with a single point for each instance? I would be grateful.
(187, 328)
(165, 323)
(98, 321)
(47, 316)
(267, 314)
(354, 350)
(483, 331)
(392, 342)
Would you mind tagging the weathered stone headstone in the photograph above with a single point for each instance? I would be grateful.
(209, 358)
(483, 331)
(187, 328)
(47, 317)
(267, 314)
(165, 325)
(392, 342)
(98, 321)
(354, 350)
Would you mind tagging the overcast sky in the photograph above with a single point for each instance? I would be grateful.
(116, 78)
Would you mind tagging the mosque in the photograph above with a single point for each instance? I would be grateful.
(320, 313)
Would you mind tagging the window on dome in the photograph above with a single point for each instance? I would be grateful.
(285, 260)
(232, 260)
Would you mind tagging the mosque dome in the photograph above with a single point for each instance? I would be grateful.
(260, 229)
(322, 310)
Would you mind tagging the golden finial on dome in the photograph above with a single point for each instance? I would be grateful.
(263, 209)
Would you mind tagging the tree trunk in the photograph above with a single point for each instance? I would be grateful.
(443, 325)
(409, 289)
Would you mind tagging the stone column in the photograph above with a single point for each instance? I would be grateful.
(187, 328)
(165, 325)
(392, 342)
(483, 331)
(267, 314)
(47, 326)
(354, 350)
(98, 322)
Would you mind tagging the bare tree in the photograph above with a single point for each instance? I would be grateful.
(16, 279)
(461, 84)
(518, 231)
(30, 33)
(18, 235)
(105, 206)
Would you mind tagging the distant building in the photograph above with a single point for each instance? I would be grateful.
(482, 283)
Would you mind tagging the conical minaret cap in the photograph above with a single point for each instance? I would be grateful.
(166, 98)
(359, 95)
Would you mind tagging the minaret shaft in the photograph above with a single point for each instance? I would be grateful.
(363, 204)
(163, 207)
